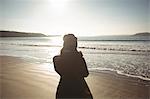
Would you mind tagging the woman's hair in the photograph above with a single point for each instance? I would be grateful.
(70, 42)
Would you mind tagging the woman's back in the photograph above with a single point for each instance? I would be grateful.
(71, 67)
(70, 64)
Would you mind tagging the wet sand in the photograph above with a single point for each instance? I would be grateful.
(22, 79)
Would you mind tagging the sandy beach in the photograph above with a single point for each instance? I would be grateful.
(22, 79)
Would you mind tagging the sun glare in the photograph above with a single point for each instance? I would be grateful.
(59, 5)
(58, 1)
(57, 41)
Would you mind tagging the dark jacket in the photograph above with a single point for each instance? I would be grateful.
(71, 67)
(70, 64)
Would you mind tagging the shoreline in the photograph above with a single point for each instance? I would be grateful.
(107, 70)
(115, 74)
(120, 73)
(24, 79)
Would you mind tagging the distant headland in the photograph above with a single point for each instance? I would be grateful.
(20, 34)
(142, 34)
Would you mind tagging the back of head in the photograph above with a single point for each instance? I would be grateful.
(70, 42)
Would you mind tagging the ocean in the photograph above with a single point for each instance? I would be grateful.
(126, 55)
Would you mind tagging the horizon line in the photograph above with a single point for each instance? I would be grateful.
(72, 33)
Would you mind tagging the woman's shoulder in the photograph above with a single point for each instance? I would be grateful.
(57, 57)
(80, 53)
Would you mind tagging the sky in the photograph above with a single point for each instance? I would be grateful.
(81, 17)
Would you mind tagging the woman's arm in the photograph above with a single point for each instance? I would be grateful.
(84, 68)
(57, 64)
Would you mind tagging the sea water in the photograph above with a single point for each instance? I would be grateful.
(128, 55)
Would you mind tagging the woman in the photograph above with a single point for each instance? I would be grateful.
(71, 67)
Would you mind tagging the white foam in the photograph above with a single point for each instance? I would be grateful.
(119, 72)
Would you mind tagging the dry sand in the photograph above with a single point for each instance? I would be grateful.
(21, 79)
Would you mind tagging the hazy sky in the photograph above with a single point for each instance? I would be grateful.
(81, 17)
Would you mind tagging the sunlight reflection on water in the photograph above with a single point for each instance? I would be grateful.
(56, 41)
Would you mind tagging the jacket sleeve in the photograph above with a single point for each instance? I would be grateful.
(57, 64)
(84, 68)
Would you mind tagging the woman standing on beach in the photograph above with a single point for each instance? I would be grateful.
(71, 67)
